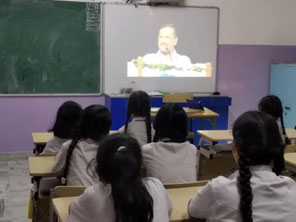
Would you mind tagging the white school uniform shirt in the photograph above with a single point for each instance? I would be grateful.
(273, 198)
(137, 129)
(54, 144)
(170, 162)
(96, 203)
(82, 163)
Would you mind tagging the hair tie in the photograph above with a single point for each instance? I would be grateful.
(121, 148)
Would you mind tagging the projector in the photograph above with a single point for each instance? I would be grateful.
(154, 2)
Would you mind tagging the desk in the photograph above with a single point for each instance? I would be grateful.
(290, 159)
(214, 136)
(40, 140)
(196, 114)
(223, 162)
(40, 166)
(179, 197)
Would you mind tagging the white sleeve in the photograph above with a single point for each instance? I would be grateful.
(79, 209)
(161, 188)
(60, 159)
(201, 202)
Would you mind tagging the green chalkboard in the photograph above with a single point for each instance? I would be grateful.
(48, 47)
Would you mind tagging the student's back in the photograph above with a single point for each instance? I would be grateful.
(256, 192)
(67, 120)
(170, 158)
(122, 194)
(76, 159)
(138, 110)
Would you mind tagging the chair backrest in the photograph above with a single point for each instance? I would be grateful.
(67, 191)
(186, 184)
(176, 97)
(290, 148)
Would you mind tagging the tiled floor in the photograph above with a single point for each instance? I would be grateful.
(15, 186)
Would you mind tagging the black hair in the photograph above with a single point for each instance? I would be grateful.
(257, 138)
(67, 120)
(272, 105)
(95, 124)
(170, 122)
(119, 161)
(139, 105)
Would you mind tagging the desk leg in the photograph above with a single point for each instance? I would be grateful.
(212, 121)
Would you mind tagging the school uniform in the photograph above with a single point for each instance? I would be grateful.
(96, 203)
(137, 129)
(273, 198)
(170, 162)
(82, 163)
(54, 144)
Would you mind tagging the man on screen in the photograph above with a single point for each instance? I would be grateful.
(166, 62)
(167, 55)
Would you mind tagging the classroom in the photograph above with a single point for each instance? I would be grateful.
(252, 35)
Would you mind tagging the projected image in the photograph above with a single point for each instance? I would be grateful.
(167, 62)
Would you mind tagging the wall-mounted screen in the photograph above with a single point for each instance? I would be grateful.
(160, 48)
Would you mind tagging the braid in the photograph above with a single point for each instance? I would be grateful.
(287, 141)
(128, 116)
(148, 127)
(279, 161)
(244, 187)
(68, 157)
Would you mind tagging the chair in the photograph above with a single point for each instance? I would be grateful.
(63, 191)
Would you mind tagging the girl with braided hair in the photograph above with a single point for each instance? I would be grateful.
(272, 105)
(122, 194)
(170, 158)
(256, 192)
(75, 158)
(138, 110)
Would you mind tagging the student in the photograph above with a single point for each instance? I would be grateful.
(122, 194)
(256, 192)
(67, 119)
(272, 105)
(75, 157)
(170, 158)
(138, 109)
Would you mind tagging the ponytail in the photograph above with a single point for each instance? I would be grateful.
(119, 161)
(245, 189)
(128, 116)
(132, 202)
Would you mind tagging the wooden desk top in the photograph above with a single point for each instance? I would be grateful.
(290, 159)
(42, 138)
(61, 206)
(179, 196)
(216, 135)
(192, 113)
(226, 135)
(291, 133)
(41, 166)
